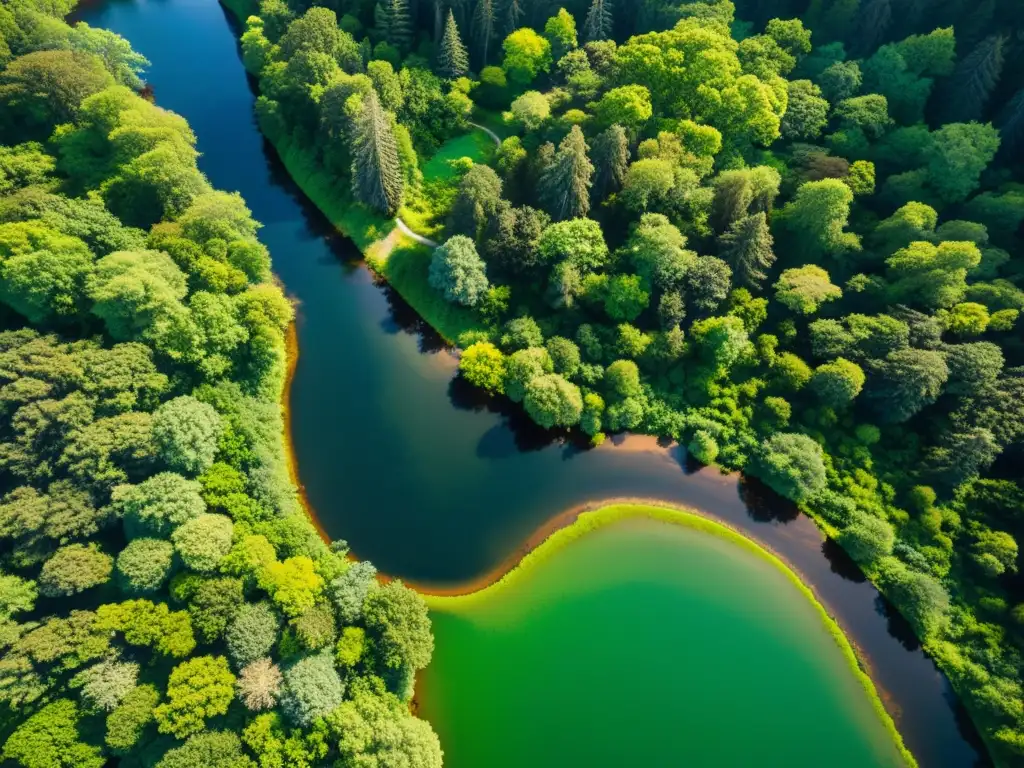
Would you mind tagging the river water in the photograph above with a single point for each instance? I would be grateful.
(417, 474)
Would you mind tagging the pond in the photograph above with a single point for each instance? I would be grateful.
(417, 474)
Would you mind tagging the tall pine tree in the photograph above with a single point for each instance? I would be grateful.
(599, 21)
(611, 160)
(376, 171)
(399, 30)
(511, 16)
(452, 59)
(565, 186)
(747, 248)
(973, 81)
(483, 29)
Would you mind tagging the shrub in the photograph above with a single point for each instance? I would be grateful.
(483, 365)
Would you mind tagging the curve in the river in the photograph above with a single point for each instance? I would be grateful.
(424, 478)
(617, 593)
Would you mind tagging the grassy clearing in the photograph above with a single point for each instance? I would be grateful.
(425, 211)
(494, 121)
(604, 516)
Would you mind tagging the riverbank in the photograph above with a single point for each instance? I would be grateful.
(575, 524)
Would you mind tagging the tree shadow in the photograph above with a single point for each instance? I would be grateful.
(896, 623)
(841, 563)
(763, 504)
(403, 318)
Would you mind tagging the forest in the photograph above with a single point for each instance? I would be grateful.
(164, 600)
(785, 234)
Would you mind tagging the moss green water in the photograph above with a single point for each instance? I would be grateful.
(644, 643)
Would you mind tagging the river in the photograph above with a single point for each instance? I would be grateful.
(417, 474)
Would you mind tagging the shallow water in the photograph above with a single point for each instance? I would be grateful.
(647, 643)
(412, 469)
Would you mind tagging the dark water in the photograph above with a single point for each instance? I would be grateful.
(408, 467)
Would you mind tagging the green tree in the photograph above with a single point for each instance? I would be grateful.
(565, 186)
(294, 585)
(522, 367)
(203, 541)
(457, 270)
(610, 152)
(791, 464)
(867, 538)
(807, 112)
(551, 401)
(837, 383)
(628, 106)
(478, 200)
(197, 690)
(625, 298)
(73, 569)
(452, 57)
(105, 685)
(973, 80)
(805, 289)
(144, 565)
(657, 250)
(126, 724)
(377, 179)
(399, 32)
(905, 382)
(527, 54)
(598, 25)
(221, 748)
(186, 432)
(560, 31)
(484, 28)
(747, 248)
(157, 505)
(252, 633)
(816, 217)
(396, 617)
(960, 153)
(483, 365)
(52, 737)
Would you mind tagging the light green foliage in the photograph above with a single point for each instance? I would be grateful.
(157, 506)
(628, 106)
(351, 646)
(312, 689)
(807, 112)
(105, 685)
(457, 270)
(867, 538)
(203, 541)
(622, 379)
(579, 242)
(51, 738)
(126, 723)
(805, 289)
(186, 433)
(483, 365)
(932, 275)
(396, 618)
(315, 628)
(197, 689)
(960, 152)
(220, 748)
(560, 32)
(995, 552)
(293, 585)
(73, 569)
(721, 340)
(837, 383)
(530, 110)
(657, 249)
(921, 598)
(565, 355)
(552, 401)
(144, 623)
(16, 595)
(527, 54)
(144, 565)
(625, 297)
(817, 216)
(703, 447)
(791, 464)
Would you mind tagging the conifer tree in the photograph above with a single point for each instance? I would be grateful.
(1011, 126)
(873, 20)
(747, 248)
(399, 28)
(452, 59)
(973, 81)
(376, 171)
(565, 186)
(482, 30)
(439, 8)
(611, 160)
(511, 16)
(382, 18)
(599, 21)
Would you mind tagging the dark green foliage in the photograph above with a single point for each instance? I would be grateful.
(747, 248)
(791, 464)
(565, 186)
(452, 57)
(598, 25)
(610, 153)
(376, 171)
(973, 81)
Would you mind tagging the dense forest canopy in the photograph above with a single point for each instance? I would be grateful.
(786, 234)
(164, 601)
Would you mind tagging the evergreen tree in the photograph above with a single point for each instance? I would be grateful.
(611, 160)
(483, 30)
(376, 171)
(599, 21)
(452, 58)
(565, 186)
(747, 248)
(399, 29)
(382, 18)
(1011, 126)
(439, 8)
(973, 81)
(873, 21)
(511, 16)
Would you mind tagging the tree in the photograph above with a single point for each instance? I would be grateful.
(252, 633)
(452, 58)
(551, 401)
(610, 152)
(867, 538)
(599, 21)
(144, 565)
(657, 250)
(625, 297)
(960, 153)
(197, 690)
(837, 383)
(312, 688)
(484, 28)
(628, 106)
(816, 217)
(458, 271)
(398, 29)
(973, 81)
(43, 89)
(158, 505)
(707, 282)
(126, 723)
(972, 367)
(477, 201)
(791, 464)
(73, 569)
(105, 685)
(186, 432)
(840, 81)
(483, 365)
(348, 592)
(720, 341)
(577, 241)
(747, 248)
(51, 738)
(904, 382)
(565, 186)
(377, 179)
(805, 289)
(931, 275)
(203, 541)
(560, 31)
(919, 597)
(396, 617)
(293, 584)
(530, 110)
(527, 54)
(259, 685)
(807, 112)
(995, 552)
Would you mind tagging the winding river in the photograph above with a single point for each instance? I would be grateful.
(421, 477)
